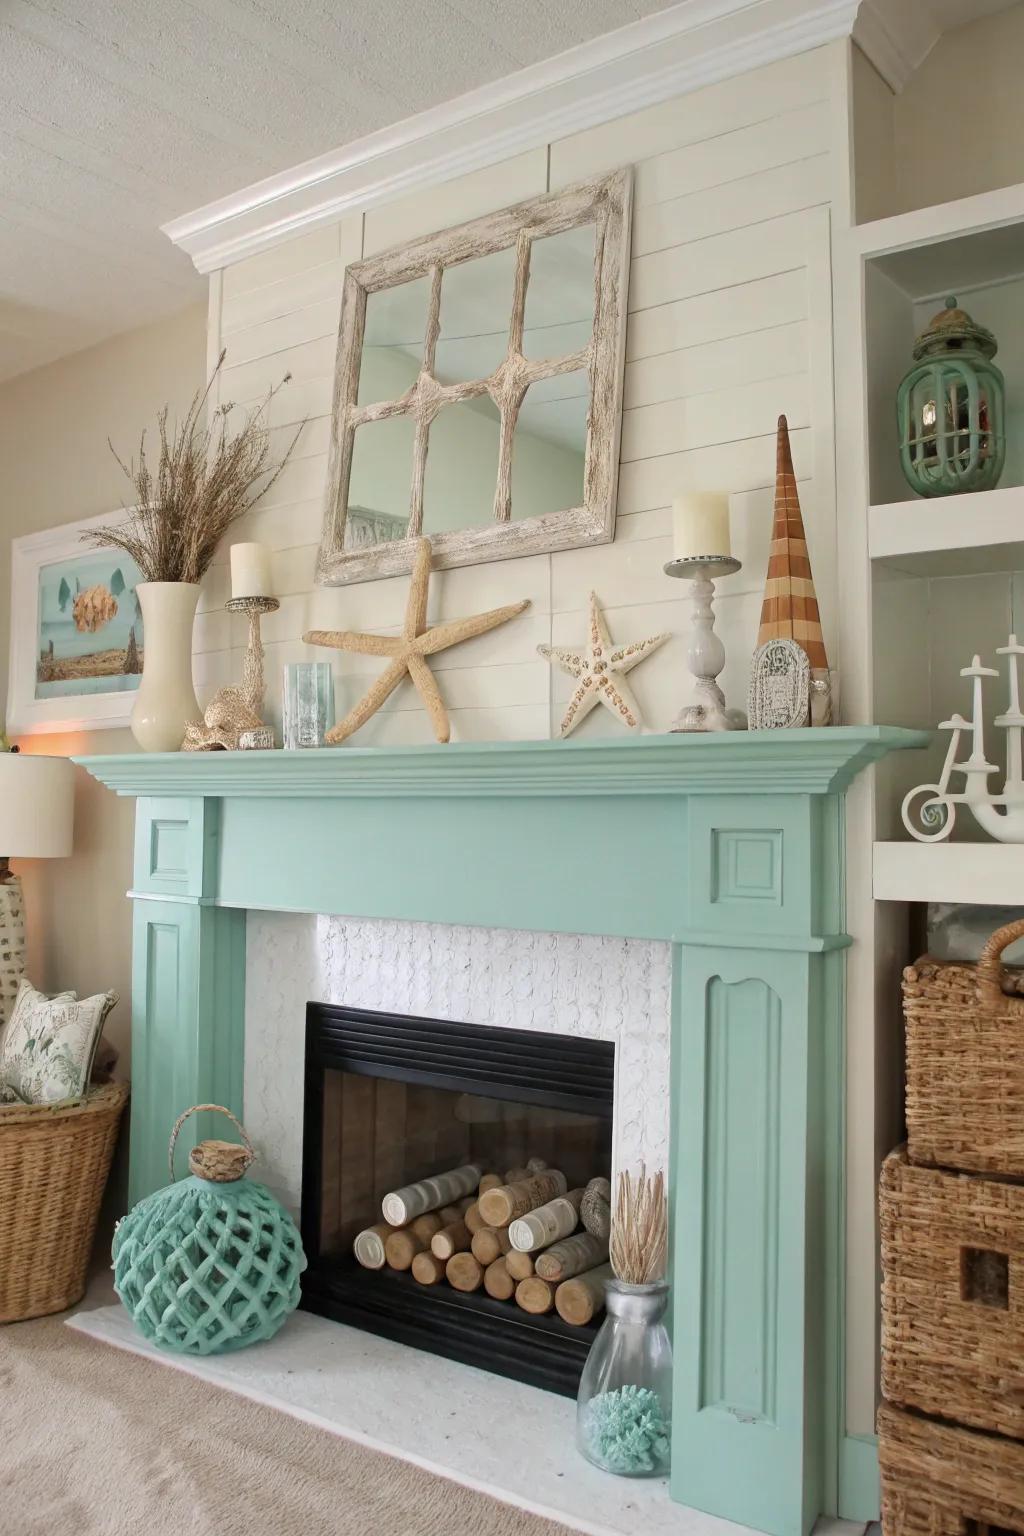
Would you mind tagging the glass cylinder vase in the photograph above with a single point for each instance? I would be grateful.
(307, 703)
(624, 1405)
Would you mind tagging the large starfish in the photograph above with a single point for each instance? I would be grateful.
(409, 650)
(599, 670)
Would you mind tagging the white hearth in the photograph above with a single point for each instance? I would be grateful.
(598, 988)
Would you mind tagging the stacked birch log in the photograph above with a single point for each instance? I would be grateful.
(520, 1236)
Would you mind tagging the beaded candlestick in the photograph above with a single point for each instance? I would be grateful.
(252, 667)
(236, 713)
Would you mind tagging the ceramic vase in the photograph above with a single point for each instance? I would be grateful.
(166, 700)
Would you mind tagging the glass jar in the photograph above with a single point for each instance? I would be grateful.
(624, 1404)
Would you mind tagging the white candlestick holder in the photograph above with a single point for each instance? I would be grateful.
(706, 653)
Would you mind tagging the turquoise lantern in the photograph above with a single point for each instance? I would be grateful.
(951, 408)
(211, 1263)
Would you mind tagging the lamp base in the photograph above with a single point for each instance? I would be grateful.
(12, 943)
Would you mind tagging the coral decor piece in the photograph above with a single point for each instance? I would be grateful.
(627, 1432)
(790, 607)
(93, 608)
(409, 650)
(599, 670)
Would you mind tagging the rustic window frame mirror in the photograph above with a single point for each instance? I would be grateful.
(605, 203)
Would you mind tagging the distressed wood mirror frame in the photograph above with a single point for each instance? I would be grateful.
(605, 203)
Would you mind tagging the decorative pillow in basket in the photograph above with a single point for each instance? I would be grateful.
(48, 1044)
(211, 1263)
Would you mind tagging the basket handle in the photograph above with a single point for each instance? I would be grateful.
(196, 1108)
(990, 967)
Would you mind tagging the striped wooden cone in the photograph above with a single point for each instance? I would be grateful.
(790, 607)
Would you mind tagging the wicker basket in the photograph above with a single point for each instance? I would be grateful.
(939, 1480)
(965, 1062)
(953, 1295)
(53, 1169)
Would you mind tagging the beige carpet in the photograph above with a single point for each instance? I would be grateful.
(96, 1442)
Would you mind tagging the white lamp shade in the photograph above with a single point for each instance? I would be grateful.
(36, 806)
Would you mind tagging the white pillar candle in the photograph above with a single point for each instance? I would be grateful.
(700, 525)
(250, 571)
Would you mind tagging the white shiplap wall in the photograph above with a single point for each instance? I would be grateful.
(729, 325)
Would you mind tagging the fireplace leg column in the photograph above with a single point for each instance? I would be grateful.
(757, 1134)
(188, 986)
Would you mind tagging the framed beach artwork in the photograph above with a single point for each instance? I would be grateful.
(77, 642)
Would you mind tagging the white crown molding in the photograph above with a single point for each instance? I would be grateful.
(692, 44)
(897, 36)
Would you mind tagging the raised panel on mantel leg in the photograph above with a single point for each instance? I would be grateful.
(188, 999)
(739, 1313)
(748, 1381)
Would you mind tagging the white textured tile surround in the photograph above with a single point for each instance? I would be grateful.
(601, 988)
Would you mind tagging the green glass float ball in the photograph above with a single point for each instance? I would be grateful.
(204, 1268)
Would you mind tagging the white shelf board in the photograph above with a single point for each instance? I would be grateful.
(982, 874)
(972, 242)
(965, 535)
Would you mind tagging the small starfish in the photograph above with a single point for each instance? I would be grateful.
(599, 671)
(408, 651)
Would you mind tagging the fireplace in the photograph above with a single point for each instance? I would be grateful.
(391, 1099)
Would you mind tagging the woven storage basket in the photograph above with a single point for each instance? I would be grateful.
(940, 1480)
(953, 1295)
(965, 1062)
(53, 1170)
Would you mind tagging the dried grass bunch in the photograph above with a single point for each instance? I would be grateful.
(206, 477)
(639, 1236)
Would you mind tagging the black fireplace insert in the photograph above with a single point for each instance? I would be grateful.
(391, 1099)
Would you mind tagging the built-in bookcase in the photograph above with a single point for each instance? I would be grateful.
(924, 584)
(945, 577)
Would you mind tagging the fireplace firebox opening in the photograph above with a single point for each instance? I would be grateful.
(393, 1102)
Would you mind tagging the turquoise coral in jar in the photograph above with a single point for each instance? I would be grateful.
(624, 1406)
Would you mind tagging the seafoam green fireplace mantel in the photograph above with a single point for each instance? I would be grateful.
(730, 847)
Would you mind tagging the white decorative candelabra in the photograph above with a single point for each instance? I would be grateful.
(1001, 816)
(706, 653)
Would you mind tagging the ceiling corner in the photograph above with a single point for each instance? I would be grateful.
(897, 36)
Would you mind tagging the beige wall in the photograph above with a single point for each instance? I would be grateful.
(56, 468)
(957, 127)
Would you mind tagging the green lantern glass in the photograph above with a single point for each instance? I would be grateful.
(951, 408)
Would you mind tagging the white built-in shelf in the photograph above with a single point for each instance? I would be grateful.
(950, 535)
(953, 247)
(982, 874)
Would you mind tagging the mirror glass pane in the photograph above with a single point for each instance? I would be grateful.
(476, 303)
(549, 448)
(393, 335)
(462, 466)
(559, 316)
(378, 490)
